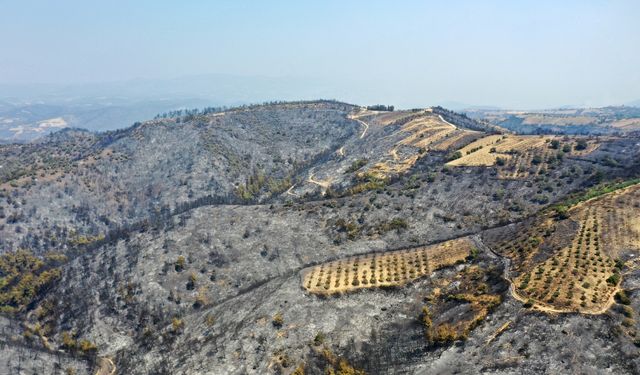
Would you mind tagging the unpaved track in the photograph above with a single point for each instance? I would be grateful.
(447, 122)
(288, 192)
(366, 127)
(364, 124)
(537, 305)
(323, 184)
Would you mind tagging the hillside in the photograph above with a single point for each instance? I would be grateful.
(597, 121)
(319, 237)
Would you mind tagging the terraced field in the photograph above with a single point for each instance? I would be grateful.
(423, 133)
(518, 156)
(394, 268)
(487, 150)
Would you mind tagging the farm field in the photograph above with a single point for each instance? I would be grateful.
(394, 268)
(518, 156)
(487, 150)
(417, 137)
(582, 275)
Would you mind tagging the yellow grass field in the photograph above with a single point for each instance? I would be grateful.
(481, 153)
(394, 268)
(424, 133)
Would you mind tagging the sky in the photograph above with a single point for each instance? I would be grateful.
(511, 54)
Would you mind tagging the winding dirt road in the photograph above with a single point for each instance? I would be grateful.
(324, 184)
(364, 124)
(288, 192)
(539, 306)
(447, 122)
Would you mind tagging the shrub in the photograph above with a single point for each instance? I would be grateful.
(395, 224)
(445, 333)
(356, 165)
(621, 297)
(581, 144)
(299, 370)
(614, 279)
(319, 339)
(201, 298)
(177, 324)
(210, 320)
(537, 159)
(191, 284)
(87, 346)
(180, 263)
(473, 254)
(562, 212)
(454, 156)
(277, 320)
(68, 341)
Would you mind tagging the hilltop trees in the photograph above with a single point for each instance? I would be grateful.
(380, 107)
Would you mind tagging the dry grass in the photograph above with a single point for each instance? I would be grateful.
(628, 124)
(451, 140)
(385, 169)
(535, 119)
(386, 118)
(395, 268)
(522, 155)
(619, 214)
(424, 131)
(485, 151)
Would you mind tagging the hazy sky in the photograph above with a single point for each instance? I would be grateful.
(522, 54)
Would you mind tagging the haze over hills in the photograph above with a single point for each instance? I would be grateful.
(30, 111)
(308, 236)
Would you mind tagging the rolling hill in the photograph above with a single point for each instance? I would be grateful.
(319, 237)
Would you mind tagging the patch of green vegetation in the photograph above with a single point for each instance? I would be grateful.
(473, 254)
(622, 298)
(368, 181)
(357, 165)
(24, 277)
(581, 144)
(278, 320)
(352, 229)
(454, 156)
(593, 192)
(258, 182)
(180, 264)
(177, 324)
(614, 279)
(396, 224)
